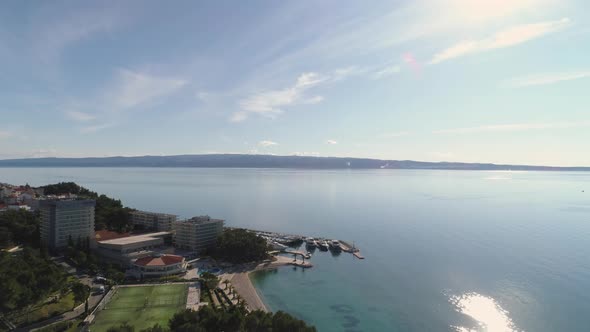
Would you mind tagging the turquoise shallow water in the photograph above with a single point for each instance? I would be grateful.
(445, 250)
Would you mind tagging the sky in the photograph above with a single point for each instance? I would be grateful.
(503, 81)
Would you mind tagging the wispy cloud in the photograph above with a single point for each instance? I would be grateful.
(347, 72)
(514, 127)
(5, 134)
(395, 134)
(135, 88)
(548, 78)
(331, 142)
(96, 128)
(510, 37)
(271, 103)
(386, 72)
(267, 143)
(55, 36)
(80, 116)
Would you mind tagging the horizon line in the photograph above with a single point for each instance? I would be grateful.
(291, 155)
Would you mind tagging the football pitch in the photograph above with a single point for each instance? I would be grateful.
(141, 306)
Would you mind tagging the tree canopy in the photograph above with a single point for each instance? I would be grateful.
(26, 278)
(19, 227)
(68, 188)
(240, 246)
(236, 319)
(109, 212)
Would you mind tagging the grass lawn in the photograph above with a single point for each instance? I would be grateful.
(141, 306)
(43, 311)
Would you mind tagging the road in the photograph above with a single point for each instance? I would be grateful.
(92, 302)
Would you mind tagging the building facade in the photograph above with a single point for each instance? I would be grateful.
(125, 250)
(197, 233)
(62, 220)
(157, 266)
(160, 222)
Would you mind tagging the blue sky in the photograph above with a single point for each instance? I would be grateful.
(457, 80)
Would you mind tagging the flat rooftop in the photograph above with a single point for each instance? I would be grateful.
(135, 238)
(153, 213)
(200, 220)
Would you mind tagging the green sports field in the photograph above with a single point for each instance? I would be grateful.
(141, 306)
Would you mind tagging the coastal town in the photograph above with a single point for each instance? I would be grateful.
(155, 252)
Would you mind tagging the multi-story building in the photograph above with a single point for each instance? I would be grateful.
(197, 233)
(160, 222)
(62, 220)
(125, 250)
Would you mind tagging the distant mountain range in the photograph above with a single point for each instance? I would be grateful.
(266, 161)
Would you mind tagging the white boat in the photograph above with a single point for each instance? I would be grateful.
(310, 242)
(335, 245)
(323, 245)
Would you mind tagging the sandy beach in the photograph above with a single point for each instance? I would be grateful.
(240, 279)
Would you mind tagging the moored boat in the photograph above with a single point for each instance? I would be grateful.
(335, 245)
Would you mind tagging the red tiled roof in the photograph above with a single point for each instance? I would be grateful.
(159, 261)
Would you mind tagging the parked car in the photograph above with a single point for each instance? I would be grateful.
(100, 280)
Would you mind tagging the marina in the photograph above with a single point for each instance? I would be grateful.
(286, 243)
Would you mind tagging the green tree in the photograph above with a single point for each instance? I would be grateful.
(240, 246)
(109, 213)
(209, 280)
(236, 319)
(26, 278)
(19, 227)
(81, 292)
(156, 328)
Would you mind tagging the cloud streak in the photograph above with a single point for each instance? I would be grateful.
(331, 142)
(5, 134)
(96, 128)
(267, 143)
(509, 37)
(80, 116)
(55, 36)
(271, 103)
(386, 72)
(513, 127)
(133, 89)
(548, 78)
(395, 134)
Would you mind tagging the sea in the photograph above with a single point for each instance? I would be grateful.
(445, 250)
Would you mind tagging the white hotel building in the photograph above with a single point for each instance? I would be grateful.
(197, 233)
(65, 219)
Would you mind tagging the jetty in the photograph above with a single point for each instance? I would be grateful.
(301, 264)
(346, 247)
(281, 244)
(358, 255)
(296, 253)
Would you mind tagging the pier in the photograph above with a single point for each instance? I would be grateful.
(288, 239)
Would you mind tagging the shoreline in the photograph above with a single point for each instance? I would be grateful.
(242, 282)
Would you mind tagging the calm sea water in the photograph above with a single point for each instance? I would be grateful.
(445, 250)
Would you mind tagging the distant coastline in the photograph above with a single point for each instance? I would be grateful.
(270, 161)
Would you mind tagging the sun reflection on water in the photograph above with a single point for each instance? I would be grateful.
(490, 316)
